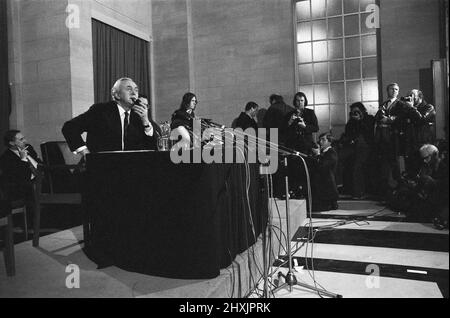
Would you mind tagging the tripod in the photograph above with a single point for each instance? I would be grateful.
(290, 278)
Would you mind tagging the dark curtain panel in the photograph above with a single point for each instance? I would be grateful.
(118, 54)
(5, 94)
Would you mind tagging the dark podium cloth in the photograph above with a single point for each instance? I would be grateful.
(155, 217)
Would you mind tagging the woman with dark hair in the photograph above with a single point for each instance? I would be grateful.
(183, 118)
(357, 141)
(300, 124)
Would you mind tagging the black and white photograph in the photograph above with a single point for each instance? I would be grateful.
(253, 151)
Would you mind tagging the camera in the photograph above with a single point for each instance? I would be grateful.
(406, 99)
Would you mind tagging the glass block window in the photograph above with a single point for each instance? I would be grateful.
(336, 59)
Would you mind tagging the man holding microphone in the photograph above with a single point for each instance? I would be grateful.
(121, 124)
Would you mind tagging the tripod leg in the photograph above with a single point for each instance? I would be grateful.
(290, 278)
(278, 288)
(319, 290)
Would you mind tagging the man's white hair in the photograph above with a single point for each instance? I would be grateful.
(429, 150)
(116, 85)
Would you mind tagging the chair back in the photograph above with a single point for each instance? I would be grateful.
(4, 203)
(57, 154)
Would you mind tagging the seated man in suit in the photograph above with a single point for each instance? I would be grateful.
(121, 124)
(324, 163)
(385, 142)
(19, 164)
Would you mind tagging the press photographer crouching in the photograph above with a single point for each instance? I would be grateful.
(323, 165)
(424, 197)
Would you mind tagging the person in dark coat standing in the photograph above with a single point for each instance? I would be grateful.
(275, 116)
(324, 164)
(356, 142)
(299, 126)
(247, 118)
(425, 128)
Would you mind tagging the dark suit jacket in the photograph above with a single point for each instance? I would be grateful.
(425, 125)
(324, 170)
(16, 173)
(104, 131)
(355, 128)
(298, 138)
(274, 118)
(384, 133)
(404, 127)
(244, 121)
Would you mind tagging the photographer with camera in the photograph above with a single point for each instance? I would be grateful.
(425, 125)
(405, 135)
(300, 124)
(425, 196)
(395, 137)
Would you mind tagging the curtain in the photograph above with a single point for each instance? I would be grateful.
(118, 54)
(5, 94)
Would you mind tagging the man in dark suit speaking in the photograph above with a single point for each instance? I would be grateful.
(121, 124)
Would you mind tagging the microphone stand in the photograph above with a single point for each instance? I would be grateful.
(290, 278)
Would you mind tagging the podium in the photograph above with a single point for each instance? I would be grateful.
(152, 216)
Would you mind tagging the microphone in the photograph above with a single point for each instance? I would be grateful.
(136, 101)
(213, 124)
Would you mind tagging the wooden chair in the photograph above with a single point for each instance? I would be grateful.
(57, 182)
(8, 252)
(17, 205)
(6, 215)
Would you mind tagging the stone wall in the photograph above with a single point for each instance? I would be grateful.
(227, 52)
(50, 58)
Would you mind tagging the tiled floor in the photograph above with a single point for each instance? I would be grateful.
(346, 263)
(369, 258)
